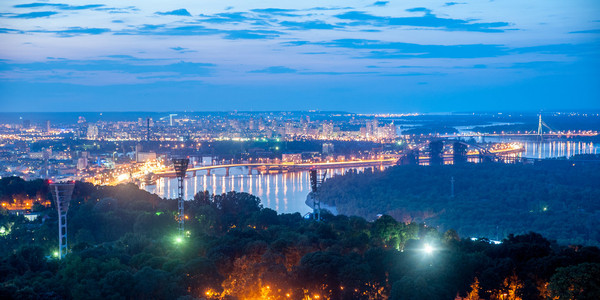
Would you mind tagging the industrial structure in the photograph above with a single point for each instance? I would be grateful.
(315, 185)
(62, 192)
(180, 165)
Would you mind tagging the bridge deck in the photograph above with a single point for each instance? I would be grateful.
(291, 165)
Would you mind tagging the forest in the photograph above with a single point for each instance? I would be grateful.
(556, 198)
(124, 245)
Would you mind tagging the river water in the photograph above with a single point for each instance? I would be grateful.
(286, 193)
(549, 148)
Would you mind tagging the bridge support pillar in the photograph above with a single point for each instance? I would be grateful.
(226, 172)
(249, 170)
(267, 169)
(208, 172)
(194, 174)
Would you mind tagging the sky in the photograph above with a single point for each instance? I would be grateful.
(357, 56)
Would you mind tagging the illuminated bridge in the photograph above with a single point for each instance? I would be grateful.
(525, 134)
(266, 168)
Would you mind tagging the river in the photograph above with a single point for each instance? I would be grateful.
(286, 192)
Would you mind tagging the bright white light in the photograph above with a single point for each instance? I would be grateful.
(428, 249)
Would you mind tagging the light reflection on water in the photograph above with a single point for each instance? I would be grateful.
(284, 193)
(550, 148)
(558, 149)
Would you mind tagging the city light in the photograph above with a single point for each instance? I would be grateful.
(178, 240)
(428, 249)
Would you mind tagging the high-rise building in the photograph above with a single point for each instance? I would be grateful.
(327, 130)
(47, 125)
(82, 163)
(327, 149)
(92, 132)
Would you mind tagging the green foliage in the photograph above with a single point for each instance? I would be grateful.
(579, 282)
(558, 200)
(123, 249)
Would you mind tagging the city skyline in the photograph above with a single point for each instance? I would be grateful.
(358, 56)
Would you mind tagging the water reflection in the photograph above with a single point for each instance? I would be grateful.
(548, 148)
(284, 193)
(558, 149)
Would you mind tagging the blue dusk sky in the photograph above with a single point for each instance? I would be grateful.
(358, 56)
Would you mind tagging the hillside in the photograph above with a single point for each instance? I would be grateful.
(559, 199)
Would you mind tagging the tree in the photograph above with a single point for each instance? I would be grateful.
(579, 282)
(436, 151)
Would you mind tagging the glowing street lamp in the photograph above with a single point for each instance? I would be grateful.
(428, 249)
(178, 240)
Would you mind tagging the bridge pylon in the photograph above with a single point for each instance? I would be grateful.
(315, 185)
(180, 165)
(540, 128)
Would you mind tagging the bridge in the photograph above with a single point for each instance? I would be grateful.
(538, 134)
(266, 168)
(460, 151)
(524, 134)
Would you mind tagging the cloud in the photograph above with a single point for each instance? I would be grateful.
(9, 30)
(192, 30)
(121, 64)
(234, 17)
(161, 29)
(396, 50)
(579, 50)
(34, 15)
(118, 10)
(307, 25)
(419, 9)
(329, 8)
(251, 34)
(453, 3)
(427, 20)
(275, 70)
(80, 30)
(587, 31)
(380, 3)
(276, 11)
(182, 50)
(338, 73)
(58, 5)
(178, 12)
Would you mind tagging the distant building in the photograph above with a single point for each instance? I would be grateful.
(47, 125)
(291, 157)
(145, 156)
(92, 132)
(327, 149)
(206, 160)
(82, 163)
(327, 130)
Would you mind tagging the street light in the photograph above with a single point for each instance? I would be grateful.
(428, 249)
